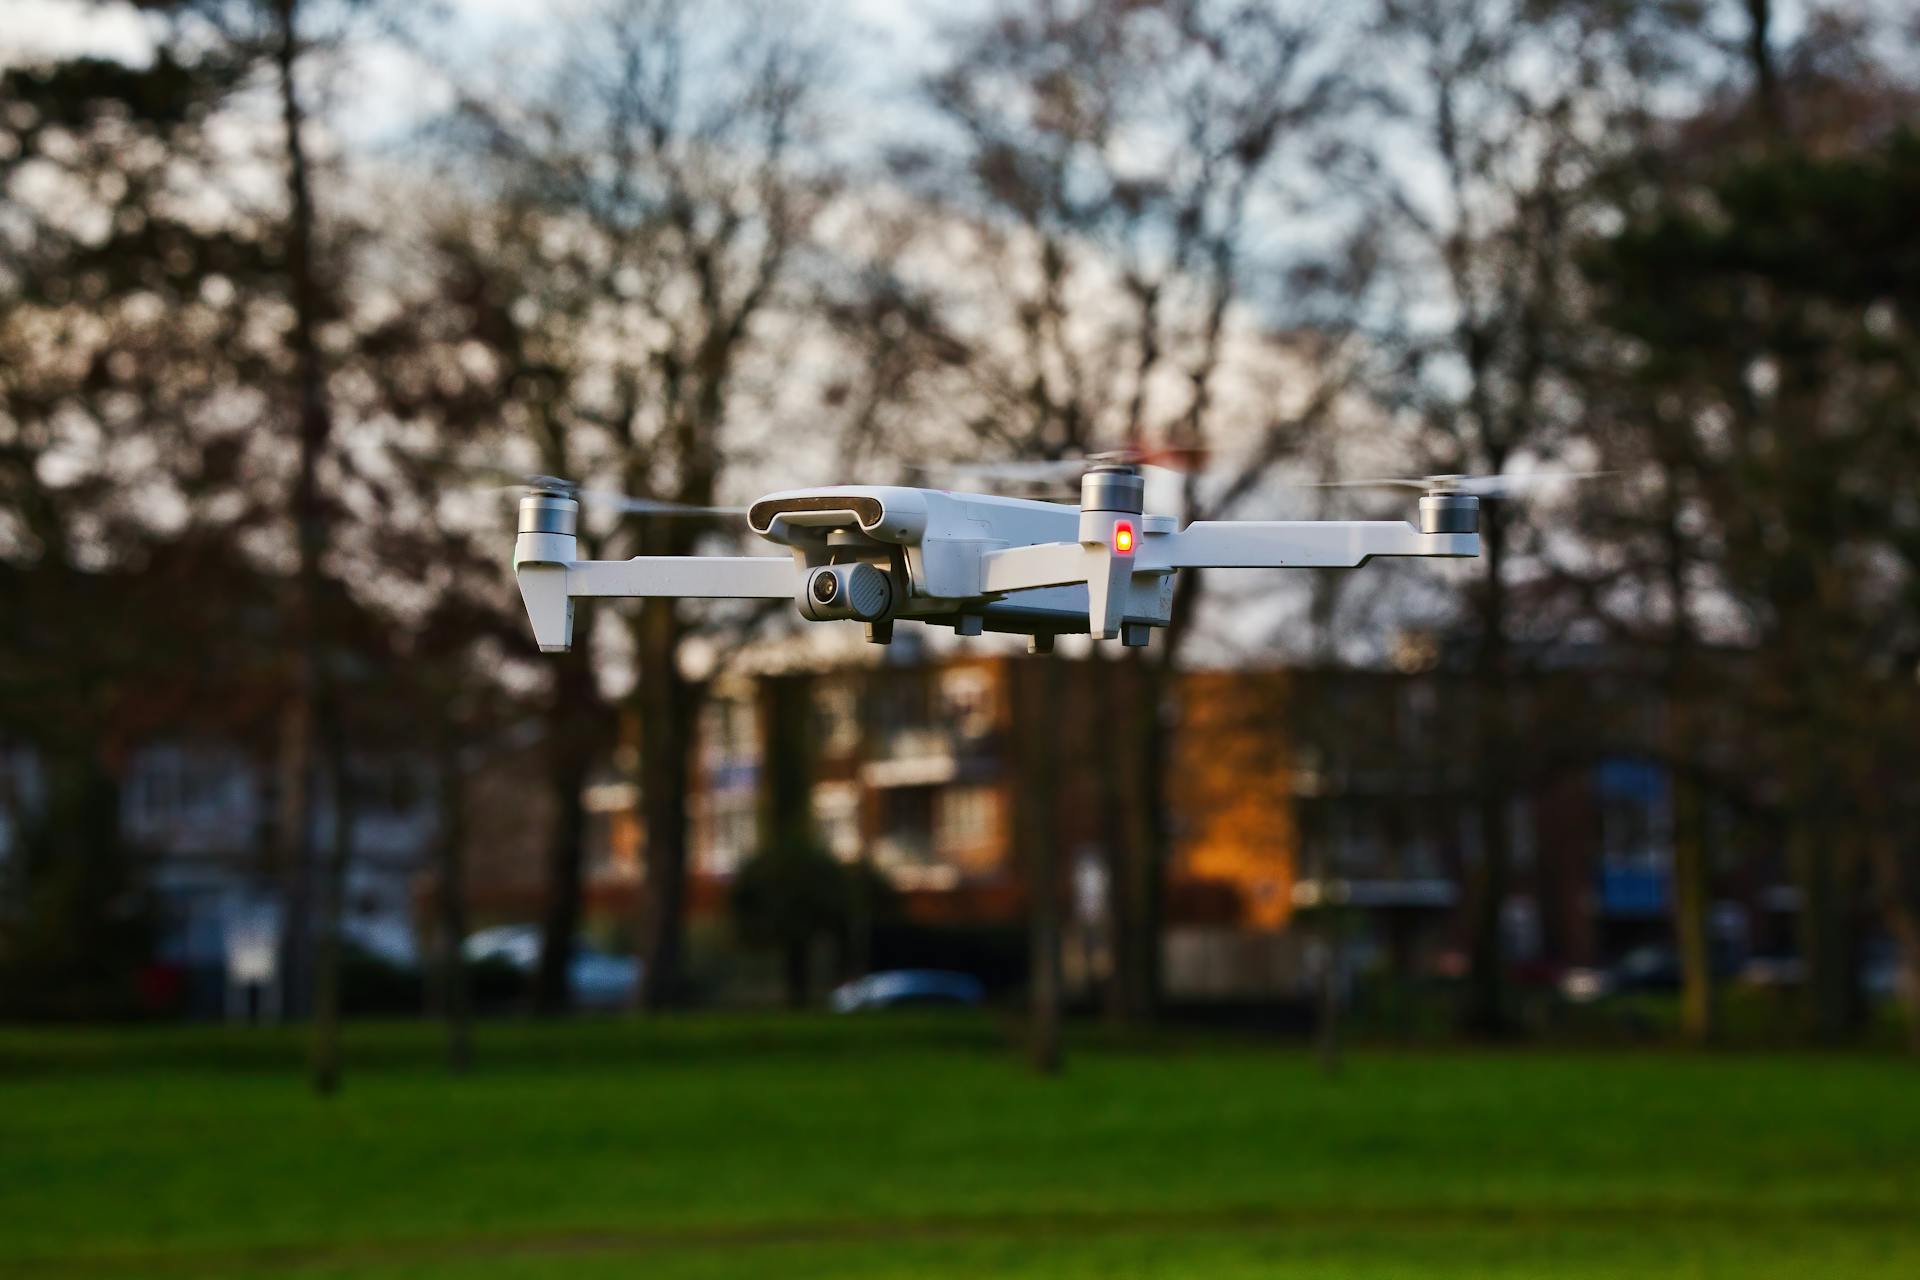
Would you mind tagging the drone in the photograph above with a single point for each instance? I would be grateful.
(975, 562)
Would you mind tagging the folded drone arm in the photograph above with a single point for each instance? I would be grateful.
(1226, 544)
(1298, 544)
(550, 588)
(714, 577)
(1301, 544)
(1046, 564)
(1104, 572)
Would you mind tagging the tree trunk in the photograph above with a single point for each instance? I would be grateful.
(1327, 1033)
(294, 848)
(1116, 856)
(570, 748)
(785, 817)
(668, 706)
(1142, 888)
(333, 890)
(456, 997)
(1766, 77)
(785, 811)
(1692, 865)
(322, 717)
(1486, 1012)
(1692, 895)
(795, 971)
(1823, 1003)
(1039, 841)
(1903, 922)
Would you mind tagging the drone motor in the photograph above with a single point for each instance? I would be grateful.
(1443, 511)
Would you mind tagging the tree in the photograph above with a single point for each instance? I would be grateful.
(1777, 324)
(478, 354)
(1484, 177)
(1090, 274)
(1708, 411)
(662, 184)
(321, 747)
(116, 489)
(792, 895)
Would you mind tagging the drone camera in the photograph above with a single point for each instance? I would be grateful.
(856, 592)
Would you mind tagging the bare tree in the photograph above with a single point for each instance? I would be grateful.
(319, 744)
(1098, 230)
(664, 195)
(1497, 119)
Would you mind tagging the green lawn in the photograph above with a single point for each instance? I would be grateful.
(864, 1148)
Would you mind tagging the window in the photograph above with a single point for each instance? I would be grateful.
(1635, 814)
(390, 788)
(19, 794)
(966, 701)
(732, 831)
(729, 730)
(174, 790)
(836, 812)
(966, 817)
(836, 718)
(1636, 837)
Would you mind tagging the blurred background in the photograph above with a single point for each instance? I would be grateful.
(294, 293)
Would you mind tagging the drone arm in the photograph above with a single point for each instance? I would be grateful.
(549, 587)
(1302, 544)
(1105, 573)
(1046, 564)
(716, 577)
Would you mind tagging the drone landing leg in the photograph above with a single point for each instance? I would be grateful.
(880, 632)
(543, 587)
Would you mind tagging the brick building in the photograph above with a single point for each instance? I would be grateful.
(1288, 789)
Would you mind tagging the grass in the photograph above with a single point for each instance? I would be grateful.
(711, 1146)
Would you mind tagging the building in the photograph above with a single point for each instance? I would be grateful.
(1289, 791)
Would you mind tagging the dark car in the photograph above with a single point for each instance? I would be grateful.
(1654, 967)
(905, 988)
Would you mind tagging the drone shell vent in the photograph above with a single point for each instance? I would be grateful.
(867, 592)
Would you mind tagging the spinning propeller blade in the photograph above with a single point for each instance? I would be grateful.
(1068, 470)
(608, 501)
(1500, 486)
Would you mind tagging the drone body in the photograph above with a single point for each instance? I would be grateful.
(973, 562)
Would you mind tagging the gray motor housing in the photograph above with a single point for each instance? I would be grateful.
(857, 592)
(1449, 513)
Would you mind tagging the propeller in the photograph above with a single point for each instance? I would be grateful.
(1070, 469)
(1500, 486)
(608, 501)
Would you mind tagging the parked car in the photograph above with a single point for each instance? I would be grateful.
(902, 988)
(1881, 973)
(1773, 972)
(598, 979)
(1654, 967)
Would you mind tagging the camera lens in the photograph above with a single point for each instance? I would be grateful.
(826, 587)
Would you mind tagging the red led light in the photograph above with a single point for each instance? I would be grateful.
(1123, 538)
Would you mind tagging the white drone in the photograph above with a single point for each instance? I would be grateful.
(970, 561)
